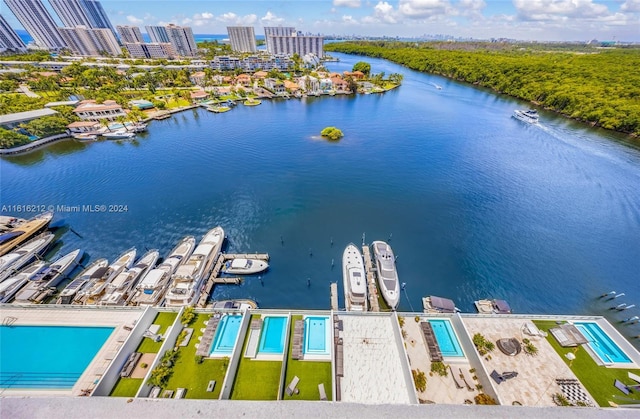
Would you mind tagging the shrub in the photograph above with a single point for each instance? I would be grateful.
(419, 379)
(485, 399)
(417, 319)
(144, 365)
(439, 368)
(401, 321)
(561, 400)
(482, 344)
(188, 315)
(530, 349)
(332, 133)
(199, 359)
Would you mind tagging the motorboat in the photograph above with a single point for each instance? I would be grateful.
(11, 286)
(242, 266)
(234, 305)
(387, 275)
(151, 288)
(24, 232)
(119, 289)
(120, 134)
(93, 294)
(43, 284)
(20, 257)
(90, 273)
(433, 304)
(529, 116)
(187, 281)
(8, 223)
(85, 136)
(492, 307)
(354, 279)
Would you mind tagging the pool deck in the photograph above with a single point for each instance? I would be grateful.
(77, 317)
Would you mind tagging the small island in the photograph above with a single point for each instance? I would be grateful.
(332, 133)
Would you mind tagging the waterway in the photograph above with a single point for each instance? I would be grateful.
(475, 203)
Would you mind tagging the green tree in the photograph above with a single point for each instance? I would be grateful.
(363, 67)
(332, 133)
(46, 126)
(10, 139)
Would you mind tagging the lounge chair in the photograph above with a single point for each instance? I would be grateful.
(465, 378)
(531, 330)
(634, 377)
(292, 385)
(496, 376)
(456, 378)
(211, 386)
(180, 393)
(155, 392)
(323, 394)
(509, 346)
(622, 387)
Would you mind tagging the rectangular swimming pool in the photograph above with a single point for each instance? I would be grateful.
(446, 337)
(273, 335)
(226, 334)
(601, 344)
(317, 336)
(47, 357)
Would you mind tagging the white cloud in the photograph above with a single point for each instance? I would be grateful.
(134, 20)
(419, 9)
(347, 3)
(631, 6)
(540, 10)
(231, 18)
(270, 19)
(349, 20)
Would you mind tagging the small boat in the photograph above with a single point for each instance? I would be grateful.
(11, 286)
(354, 279)
(118, 135)
(24, 232)
(186, 283)
(492, 307)
(151, 288)
(218, 109)
(91, 272)
(241, 305)
(433, 304)
(252, 102)
(20, 257)
(117, 291)
(43, 284)
(162, 116)
(85, 136)
(9, 223)
(387, 275)
(91, 295)
(137, 127)
(243, 266)
(530, 116)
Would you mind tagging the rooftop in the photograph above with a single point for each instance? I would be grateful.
(12, 118)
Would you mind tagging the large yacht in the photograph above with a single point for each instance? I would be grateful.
(13, 261)
(186, 283)
(530, 116)
(91, 272)
(151, 288)
(24, 232)
(354, 279)
(93, 294)
(11, 286)
(387, 275)
(118, 291)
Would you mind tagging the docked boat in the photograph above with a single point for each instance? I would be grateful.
(118, 291)
(24, 232)
(85, 136)
(9, 223)
(492, 307)
(529, 116)
(387, 275)
(20, 257)
(118, 135)
(151, 288)
(11, 286)
(241, 305)
(91, 295)
(90, 273)
(242, 266)
(43, 284)
(354, 279)
(433, 304)
(186, 283)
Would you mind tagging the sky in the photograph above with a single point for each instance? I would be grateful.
(541, 20)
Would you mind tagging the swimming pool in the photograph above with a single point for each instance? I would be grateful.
(446, 337)
(316, 336)
(226, 334)
(273, 335)
(601, 344)
(47, 357)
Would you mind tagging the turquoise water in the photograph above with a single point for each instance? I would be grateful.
(316, 336)
(273, 335)
(446, 337)
(226, 334)
(47, 357)
(601, 343)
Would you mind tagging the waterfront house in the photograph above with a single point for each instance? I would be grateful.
(291, 86)
(90, 110)
(325, 84)
(357, 75)
(141, 104)
(13, 120)
(197, 78)
(309, 83)
(198, 96)
(244, 80)
(275, 85)
(260, 74)
(339, 84)
(80, 127)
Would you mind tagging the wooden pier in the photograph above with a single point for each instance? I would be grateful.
(258, 256)
(371, 280)
(334, 296)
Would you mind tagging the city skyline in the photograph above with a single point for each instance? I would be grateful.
(543, 20)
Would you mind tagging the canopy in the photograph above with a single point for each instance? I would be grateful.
(444, 305)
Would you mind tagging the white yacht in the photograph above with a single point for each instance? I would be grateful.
(117, 291)
(243, 266)
(91, 295)
(11, 286)
(530, 116)
(118, 135)
(151, 288)
(387, 275)
(92, 272)
(44, 282)
(354, 279)
(186, 283)
(14, 261)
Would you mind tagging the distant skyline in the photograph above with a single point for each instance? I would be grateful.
(542, 20)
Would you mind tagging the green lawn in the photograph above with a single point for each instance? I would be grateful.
(165, 320)
(126, 387)
(310, 373)
(598, 380)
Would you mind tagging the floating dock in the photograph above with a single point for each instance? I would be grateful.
(371, 280)
(334, 296)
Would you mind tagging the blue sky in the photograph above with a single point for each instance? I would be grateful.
(559, 20)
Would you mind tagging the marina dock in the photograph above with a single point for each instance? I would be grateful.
(371, 280)
(334, 296)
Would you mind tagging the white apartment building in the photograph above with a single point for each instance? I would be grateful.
(242, 38)
(9, 39)
(35, 18)
(129, 33)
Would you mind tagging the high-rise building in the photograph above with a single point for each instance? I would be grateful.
(35, 18)
(9, 39)
(130, 34)
(96, 14)
(71, 13)
(157, 34)
(87, 41)
(270, 31)
(180, 37)
(242, 38)
(150, 50)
